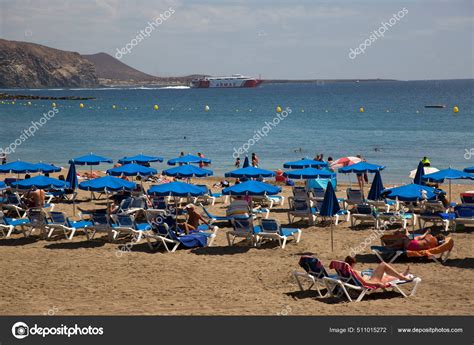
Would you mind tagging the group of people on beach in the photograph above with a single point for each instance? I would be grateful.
(255, 161)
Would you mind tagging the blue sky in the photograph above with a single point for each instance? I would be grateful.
(277, 39)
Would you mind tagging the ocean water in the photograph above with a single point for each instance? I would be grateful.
(394, 130)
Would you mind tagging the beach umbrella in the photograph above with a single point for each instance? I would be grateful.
(71, 178)
(140, 159)
(107, 184)
(132, 169)
(304, 163)
(345, 161)
(329, 208)
(447, 174)
(361, 167)
(3, 185)
(19, 167)
(187, 171)
(420, 171)
(410, 193)
(246, 162)
(175, 189)
(376, 188)
(90, 159)
(250, 172)
(40, 182)
(47, 168)
(469, 170)
(188, 159)
(309, 173)
(427, 170)
(252, 188)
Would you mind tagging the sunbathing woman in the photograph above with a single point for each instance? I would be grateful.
(194, 219)
(383, 274)
(425, 241)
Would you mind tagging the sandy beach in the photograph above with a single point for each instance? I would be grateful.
(81, 277)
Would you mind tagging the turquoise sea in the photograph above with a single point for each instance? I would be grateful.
(394, 130)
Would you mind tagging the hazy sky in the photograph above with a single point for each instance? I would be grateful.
(277, 39)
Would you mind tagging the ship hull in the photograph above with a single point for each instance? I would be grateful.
(225, 83)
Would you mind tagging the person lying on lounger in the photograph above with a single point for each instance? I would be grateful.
(383, 273)
(193, 219)
(425, 241)
(35, 198)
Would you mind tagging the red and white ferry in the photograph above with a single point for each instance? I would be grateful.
(236, 80)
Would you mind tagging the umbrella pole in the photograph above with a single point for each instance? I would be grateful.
(449, 191)
(92, 194)
(73, 205)
(332, 236)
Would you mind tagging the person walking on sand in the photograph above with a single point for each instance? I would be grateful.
(362, 178)
(237, 162)
(255, 160)
(3, 158)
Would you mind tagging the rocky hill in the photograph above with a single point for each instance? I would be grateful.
(107, 67)
(30, 65)
(113, 72)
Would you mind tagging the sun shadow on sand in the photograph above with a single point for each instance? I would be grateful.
(460, 263)
(76, 245)
(225, 250)
(313, 294)
(18, 241)
(367, 258)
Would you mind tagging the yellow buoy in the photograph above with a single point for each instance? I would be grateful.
(361, 109)
(278, 109)
(114, 106)
(53, 105)
(206, 108)
(13, 102)
(456, 109)
(155, 107)
(81, 105)
(302, 110)
(29, 103)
